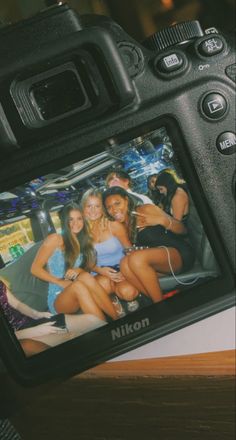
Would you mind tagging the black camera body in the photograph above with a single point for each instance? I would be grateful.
(72, 86)
(114, 85)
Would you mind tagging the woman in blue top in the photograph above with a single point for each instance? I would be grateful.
(110, 238)
(63, 262)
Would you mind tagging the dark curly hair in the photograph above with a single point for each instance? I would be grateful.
(169, 179)
(132, 205)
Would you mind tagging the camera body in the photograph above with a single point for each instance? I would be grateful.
(120, 85)
(72, 86)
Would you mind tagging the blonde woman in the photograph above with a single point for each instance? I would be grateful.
(109, 238)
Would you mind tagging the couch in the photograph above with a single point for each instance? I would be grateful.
(27, 288)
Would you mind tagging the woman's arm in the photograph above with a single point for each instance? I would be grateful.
(180, 204)
(46, 328)
(120, 231)
(151, 215)
(50, 244)
(24, 308)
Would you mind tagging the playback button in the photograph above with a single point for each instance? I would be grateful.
(226, 143)
(214, 106)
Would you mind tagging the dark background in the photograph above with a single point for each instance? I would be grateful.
(139, 18)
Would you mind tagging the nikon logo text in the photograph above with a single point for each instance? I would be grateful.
(127, 329)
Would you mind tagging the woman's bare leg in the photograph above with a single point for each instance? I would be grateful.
(76, 326)
(99, 294)
(130, 275)
(80, 324)
(32, 347)
(126, 291)
(54, 339)
(77, 296)
(107, 284)
(145, 263)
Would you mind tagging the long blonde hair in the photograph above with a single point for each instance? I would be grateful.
(94, 192)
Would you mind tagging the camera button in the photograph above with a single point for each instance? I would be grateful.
(214, 106)
(170, 63)
(132, 57)
(226, 143)
(211, 46)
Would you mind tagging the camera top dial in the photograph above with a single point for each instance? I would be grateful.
(176, 34)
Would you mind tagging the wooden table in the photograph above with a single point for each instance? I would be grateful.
(188, 397)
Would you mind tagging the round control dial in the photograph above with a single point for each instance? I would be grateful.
(176, 34)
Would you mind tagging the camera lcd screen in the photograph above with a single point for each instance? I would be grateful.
(52, 290)
(58, 94)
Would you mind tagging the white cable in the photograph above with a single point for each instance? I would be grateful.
(172, 271)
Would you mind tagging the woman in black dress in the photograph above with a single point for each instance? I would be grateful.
(168, 250)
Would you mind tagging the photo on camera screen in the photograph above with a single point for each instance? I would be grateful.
(99, 240)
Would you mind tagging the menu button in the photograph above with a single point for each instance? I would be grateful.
(226, 142)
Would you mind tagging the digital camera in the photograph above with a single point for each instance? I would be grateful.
(80, 99)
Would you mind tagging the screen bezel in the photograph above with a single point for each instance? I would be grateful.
(166, 317)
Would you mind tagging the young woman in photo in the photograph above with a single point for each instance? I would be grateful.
(153, 192)
(64, 261)
(109, 239)
(37, 331)
(149, 226)
(175, 198)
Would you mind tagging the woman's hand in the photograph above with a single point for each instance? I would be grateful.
(117, 277)
(39, 315)
(71, 274)
(148, 219)
(112, 274)
(151, 215)
(64, 283)
(40, 330)
(47, 328)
